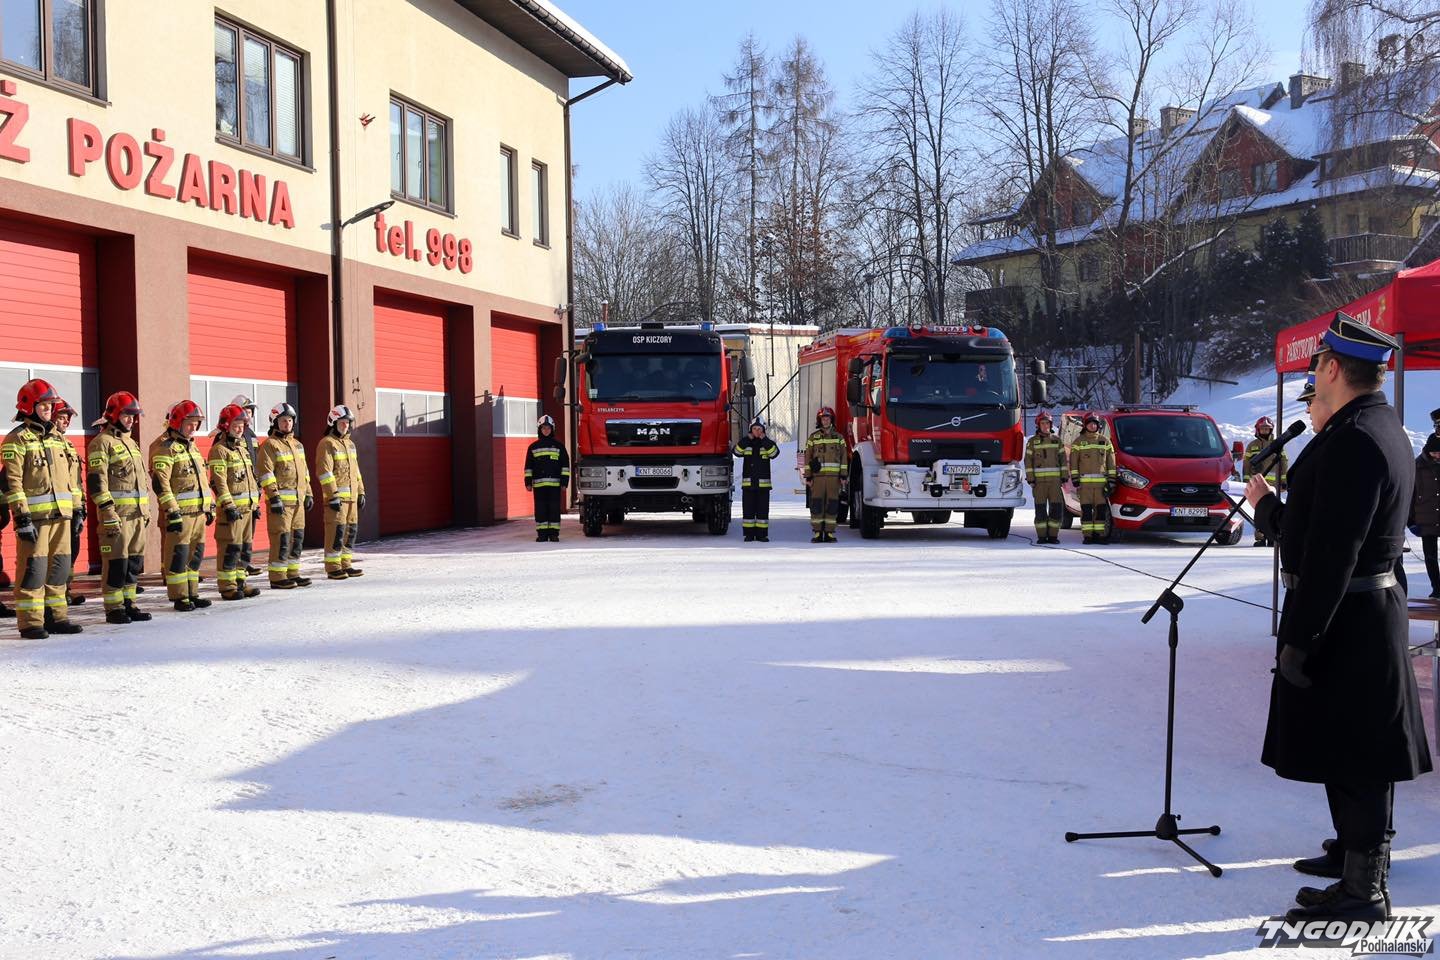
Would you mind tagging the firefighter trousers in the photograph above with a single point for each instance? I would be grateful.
(340, 527)
(183, 551)
(824, 502)
(234, 543)
(287, 538)
(1049, 508)
(42, 569)
(547, 509)
(122, 555)
(755, 505)
(75, 531)
(1094, 512)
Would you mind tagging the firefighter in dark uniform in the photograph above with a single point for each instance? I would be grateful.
(1273, 469)
(1046, 470)
(755, 453)
(547, 474)
(1344, 709)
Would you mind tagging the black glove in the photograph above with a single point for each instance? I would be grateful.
(79, 513)
(1109, 489)
(231, 514)
(333, 503)
(309, 503)
(25, 528)
(1291, 664)
(529, 485)
(360, 502)
(815, 466)
(172, 522)
(209, 517)
(276, 505)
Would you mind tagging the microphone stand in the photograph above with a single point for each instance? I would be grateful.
(1168, 826)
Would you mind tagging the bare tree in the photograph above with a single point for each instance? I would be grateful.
(913, 104)
(625, 256)
(745, 110)
(692, 177)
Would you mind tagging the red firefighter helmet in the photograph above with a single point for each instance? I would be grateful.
(182, 411)
(120, 403)
(33, 392)
(231, 413)
(1092, 418)
(1044, 415)
(61, 408)
(1264, 423)
(824, 412)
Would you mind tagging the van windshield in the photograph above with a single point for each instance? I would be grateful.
(1162, 435)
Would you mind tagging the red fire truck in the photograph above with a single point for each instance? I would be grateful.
(658, 408)
(932, 415)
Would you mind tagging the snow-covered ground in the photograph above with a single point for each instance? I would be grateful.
(664, 745)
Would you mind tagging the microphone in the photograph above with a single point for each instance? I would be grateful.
(1274, 447)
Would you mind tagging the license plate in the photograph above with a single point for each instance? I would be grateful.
(962, 469)
(1189, 511)
(654, 471)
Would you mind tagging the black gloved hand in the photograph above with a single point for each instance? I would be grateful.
(173, 522)
(1291, 664)
(1109, 489)
(25, 528)
(360, 502)
(309, 503)
(209, 517)
(231, 514)
(255, 514)
(79, 513)
(276, 505)
(814, 466)
(333, 503)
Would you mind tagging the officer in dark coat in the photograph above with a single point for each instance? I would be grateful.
(756, 452)
(547, 474)
(1344, 709)
(1425, 509)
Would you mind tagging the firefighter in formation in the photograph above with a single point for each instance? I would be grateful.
(40, 496)
(339, 473)
(118, 489)
(237, 498)
(1046, 470)
(826, 457)
(178, 474)
(1272, 469)
(756, 453)
(285, 483)
(1092, 467)
(75, 467)
(547, 474)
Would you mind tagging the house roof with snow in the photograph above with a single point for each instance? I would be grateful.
(552, 35)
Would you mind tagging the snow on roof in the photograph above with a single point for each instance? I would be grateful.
(1300, 133)
(581, 34)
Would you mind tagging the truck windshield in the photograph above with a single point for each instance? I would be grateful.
(653, 376)
(1161, 435)
(950, 380)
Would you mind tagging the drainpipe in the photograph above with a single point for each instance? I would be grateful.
(337, 238)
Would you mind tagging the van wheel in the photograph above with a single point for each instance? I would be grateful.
(1067, 519)
(871, 520)
(998, 526)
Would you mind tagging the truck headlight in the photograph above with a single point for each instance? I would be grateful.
(720, 471)
(592, 473)
(899, 479)
(1132, 479)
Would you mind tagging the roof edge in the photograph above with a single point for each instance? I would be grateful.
(578, 37)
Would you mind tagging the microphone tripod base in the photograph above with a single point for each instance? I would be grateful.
(1166, 828)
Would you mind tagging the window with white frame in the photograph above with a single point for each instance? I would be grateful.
(509, 191)
(215, 393)
(411, 413)
(1265, 177)
(515, 417)
(79, 386)
(1231, 184)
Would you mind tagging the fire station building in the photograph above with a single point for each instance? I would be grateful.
(189, 207)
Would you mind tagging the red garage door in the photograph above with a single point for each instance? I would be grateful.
(515, 382)
(412, 419)
(48, 330)
(242, 341)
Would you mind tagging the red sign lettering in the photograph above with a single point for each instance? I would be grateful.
(16, 115)
(447, 249)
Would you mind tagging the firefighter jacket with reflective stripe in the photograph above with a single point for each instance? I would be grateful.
(118, 484)
(179, 475)
(1045, 459)
(76, 468)
(547, 464)
(337, 468)
(1273, 469)
(232, 475)
(39, 479)
(825, 454)
(755, 456)
(1092, 460)
(282, 468)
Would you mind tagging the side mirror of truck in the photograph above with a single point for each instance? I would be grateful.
(854, 394)
(747, 389)
(747, 371)
(856, 366)
(1039, 392)
(559, 393)
(562, 370)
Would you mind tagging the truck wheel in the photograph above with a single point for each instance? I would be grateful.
(871, 520)
(718, 520)
(939, 516)
(919, 516)
(998, 526)
(1231, 538)
(851, 509)
(592, 520)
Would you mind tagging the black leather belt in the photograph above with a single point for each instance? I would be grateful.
(1379, 581)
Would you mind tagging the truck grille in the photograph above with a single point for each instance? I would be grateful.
(924, 453)
(652, 433)
(1195, 494)
(654, 483)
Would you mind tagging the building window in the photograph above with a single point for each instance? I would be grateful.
(1089, 268)
(509, 192)
(540, 190)
(1231, 185)
(1352, 224)
(514, 416)
(419, 156)
(1082, 212)
(1265, 177)
(214, 393)
(54, 40)
(412, 413)
(78, 385)
(258, 92)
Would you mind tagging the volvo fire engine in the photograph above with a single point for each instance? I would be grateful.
(658, 410)
(933, 419)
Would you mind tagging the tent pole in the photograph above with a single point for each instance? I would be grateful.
(1400, 377)
(1275, 551)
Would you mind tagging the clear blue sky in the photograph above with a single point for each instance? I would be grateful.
(679, 49)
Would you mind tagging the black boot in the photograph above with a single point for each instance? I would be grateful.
(286, 584)
(1361, 894)
(249, 592)
(184, 606)
(253, 571)
(542, 536)
(135, 614)
(337, 575)
(300, 581)
(818, 538)
(749, 536)
(74, 599)
(34, 633)
(1330, 864)
(117, 616)
(65, 626)
(200, 603)
(763, 536)
(829, 537)
(5, 612)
